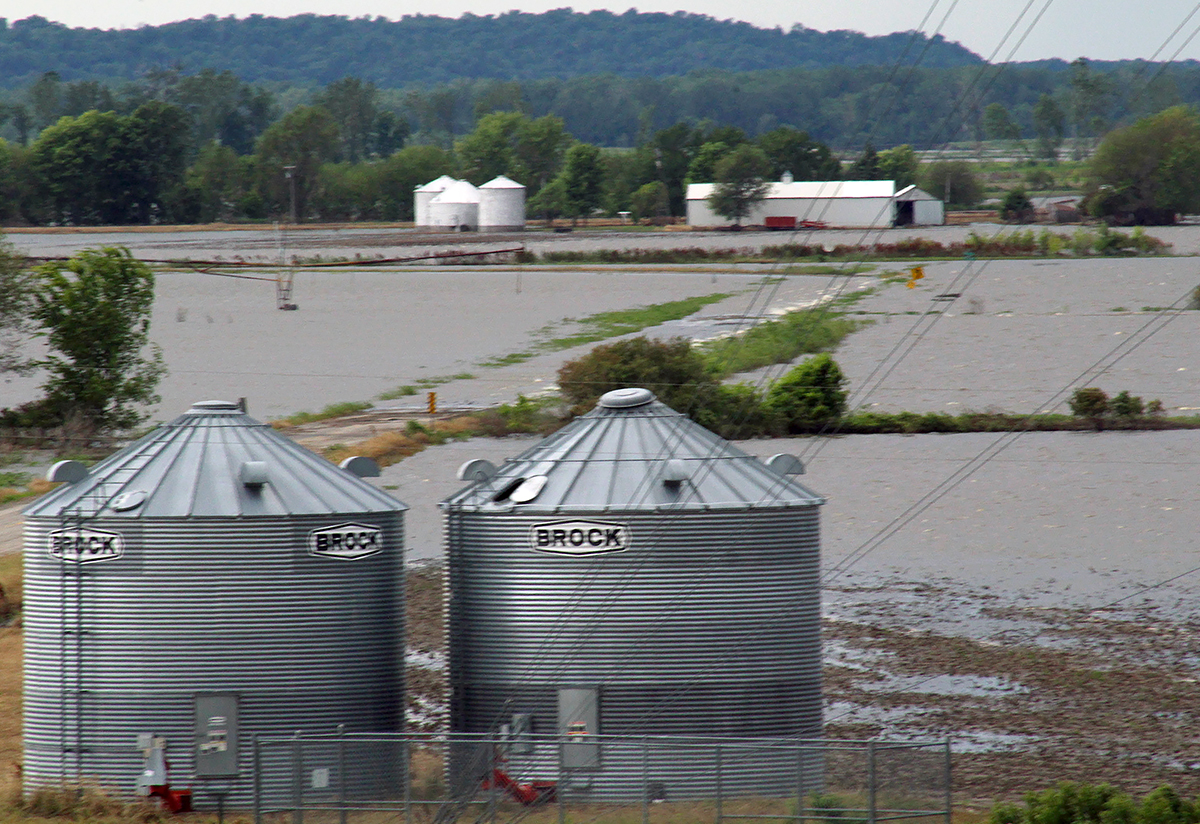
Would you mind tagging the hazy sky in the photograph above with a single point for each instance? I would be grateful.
(1099, 29)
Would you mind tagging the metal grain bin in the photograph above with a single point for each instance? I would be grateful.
(634, 575)
(210, 582)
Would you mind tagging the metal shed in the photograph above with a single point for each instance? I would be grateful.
(210, 582)
(842, 203)
(634, 574)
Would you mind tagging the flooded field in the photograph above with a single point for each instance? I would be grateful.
(1032, 597)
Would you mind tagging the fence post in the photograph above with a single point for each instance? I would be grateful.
(645, 781)
(407, 750)
(561, 787)
(341, 731)
(870, 782)
(717, 765)
(800, 783)
(256, 761)
(297, 779)
(947, 780)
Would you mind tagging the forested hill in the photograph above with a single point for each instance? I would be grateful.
(310, 49)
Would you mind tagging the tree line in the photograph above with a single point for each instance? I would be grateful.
(178, 148)
(1035, 107)
(316, 50)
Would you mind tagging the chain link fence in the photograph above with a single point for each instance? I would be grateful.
(438, 779)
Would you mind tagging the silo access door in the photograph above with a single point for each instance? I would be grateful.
(578, 724)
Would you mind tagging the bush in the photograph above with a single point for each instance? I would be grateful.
(1125, 405)
(671, 369)
(1070, 803)
(809, 397)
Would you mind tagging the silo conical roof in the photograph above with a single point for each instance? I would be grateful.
(502, 182)
(632, 453)
(214, 461)
(438, 185)
(460, 191)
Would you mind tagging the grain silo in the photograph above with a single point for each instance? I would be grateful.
(635, 575)
(456, 207)
(422, 195)
(501, 205)
(210, 582)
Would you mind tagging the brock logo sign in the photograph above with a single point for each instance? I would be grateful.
(346, 541)
(85, 546)
(579, 537)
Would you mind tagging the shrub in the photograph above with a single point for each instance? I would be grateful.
(671, 369)
(1088, 402)
(811, 396)
(1125, 405)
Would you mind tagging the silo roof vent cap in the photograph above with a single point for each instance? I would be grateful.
(785, 464)
(207, 407)
(626, 398)
(253, 473)
(675, 472)
(361, 465)
(71, 472)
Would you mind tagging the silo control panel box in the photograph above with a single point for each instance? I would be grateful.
(216, 735)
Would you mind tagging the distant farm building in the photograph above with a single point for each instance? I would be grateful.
(843, 203)
(457, 206)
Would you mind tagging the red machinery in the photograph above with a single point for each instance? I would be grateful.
(535, 792)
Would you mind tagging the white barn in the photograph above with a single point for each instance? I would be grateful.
(916, 207)
(843, 203)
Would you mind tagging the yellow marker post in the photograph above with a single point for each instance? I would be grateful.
(915, 274)
(431, 402)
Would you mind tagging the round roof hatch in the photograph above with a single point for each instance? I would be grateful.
(625, 398)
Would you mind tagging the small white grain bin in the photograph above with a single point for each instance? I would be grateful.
(423, 194)
(210, 582)
(501, 206)
(456, 208)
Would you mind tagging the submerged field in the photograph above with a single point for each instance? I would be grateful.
(1039, 610)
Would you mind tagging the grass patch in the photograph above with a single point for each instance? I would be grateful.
(334, 410)
(605, 325)
(428, 383)
(808, 331)
(399, 392)
(506, 360)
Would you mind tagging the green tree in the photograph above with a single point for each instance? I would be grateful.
(953, 181)
(741, 183)
(304, 139)
(509, 143)
(671, 369)
(220, 180)
(354, 107)
(1149, 172)
(703, 168)
(16, 322)
(651, 200)
(551, 201)
(583, 178)
(998, 124)
(866, 167)
(899, 164)
(791, 150)
(94, 311)
(1017, 206)
(1091, 99)
(1049, 123)
(1090, 402)
(811, 396)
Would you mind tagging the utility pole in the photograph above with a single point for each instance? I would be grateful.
(290, 173)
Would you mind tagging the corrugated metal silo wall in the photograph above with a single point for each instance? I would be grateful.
(194, 606)
(708, 625)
